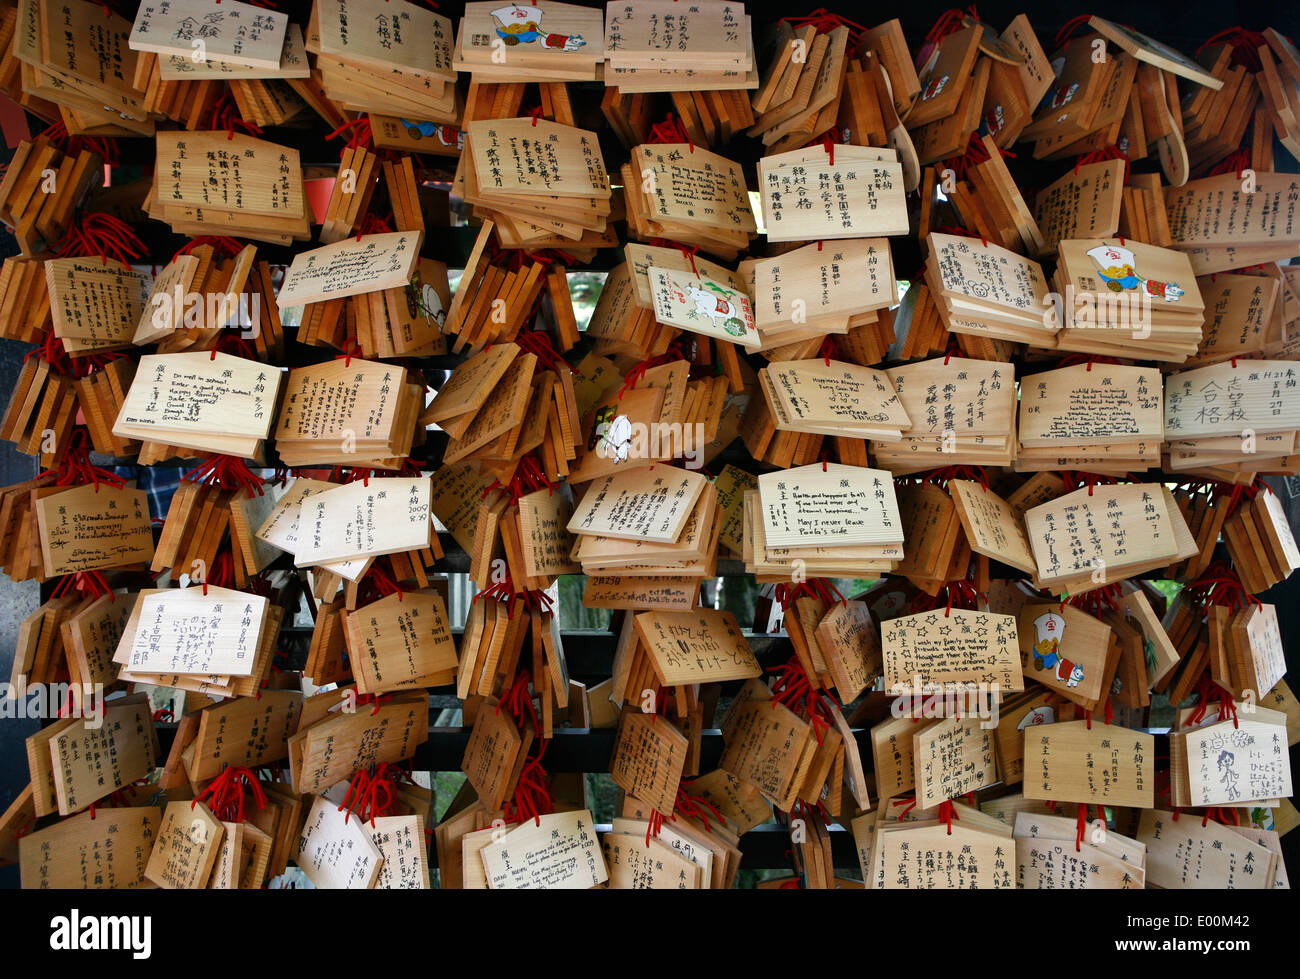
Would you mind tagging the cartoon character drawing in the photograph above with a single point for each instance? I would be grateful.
(449, 136)
(1118, 269)
(995, 119)
(1047, 654)
(1062, 96)
(611, 436)
(718, 308)
(422, 299)
(1037, 716)
(1227, 775)
(933, 87)
(517, 24)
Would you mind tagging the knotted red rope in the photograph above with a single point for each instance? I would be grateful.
(1099, 600)
(1217, 814)
(694, 806)
(940, 477)
(87, 584)
(908, 805)
(518, 701)
(538, 343)
(227, 793)
(532, 795)
(52, 351)
(793, 688)
(1111, 152)
(1074, 360)
(1245, 46)
(949, 22)
(222, 572)
(98, 235)
(1220, 585)
(1069, 27)
(818, 588)
(529, 477)
(76, 469)
(637, 373)
(947, 813)
(105, 149)
(975, 154)
(806, 810)
(1238, 162)
(358, 132)
(1077, 480)
(959, 594)
(370, 793)
(225, 115)
(1237, 492)
(377, 583)
(1207, 690)
(670, 130)
(227, 473)
(221, 245)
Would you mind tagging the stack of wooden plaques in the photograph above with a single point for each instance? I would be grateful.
(1087, 202)
(355, 413)
(798, 98)
(623, 324)
(41, 188)
(358, 521)
(234, 34)
(365, 288)
(209, 640)
(658, 416)
(989, 202)
(651, 46)
(1261, 543)
(624, 564)
(41, 410)
(863, 534)
(832, 192)
(1230, 421)
(1101, 418)
(78, 57)
(523, 42)
(24, 301)
(1127, 299)
(330, 743)
(100, 395)
(95, 303)
(660, 508)
(252, 49)
(834, 398)
(375, 57)
(817, 290)
(1242, 313)
(689, 195)
(1075, 556)
(511, 420)
(202, 297)
(962, 413)
(229, 403)
(534, 178)
(983, 289)
(226, 183)
(1222, 228)
(1279, 83)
